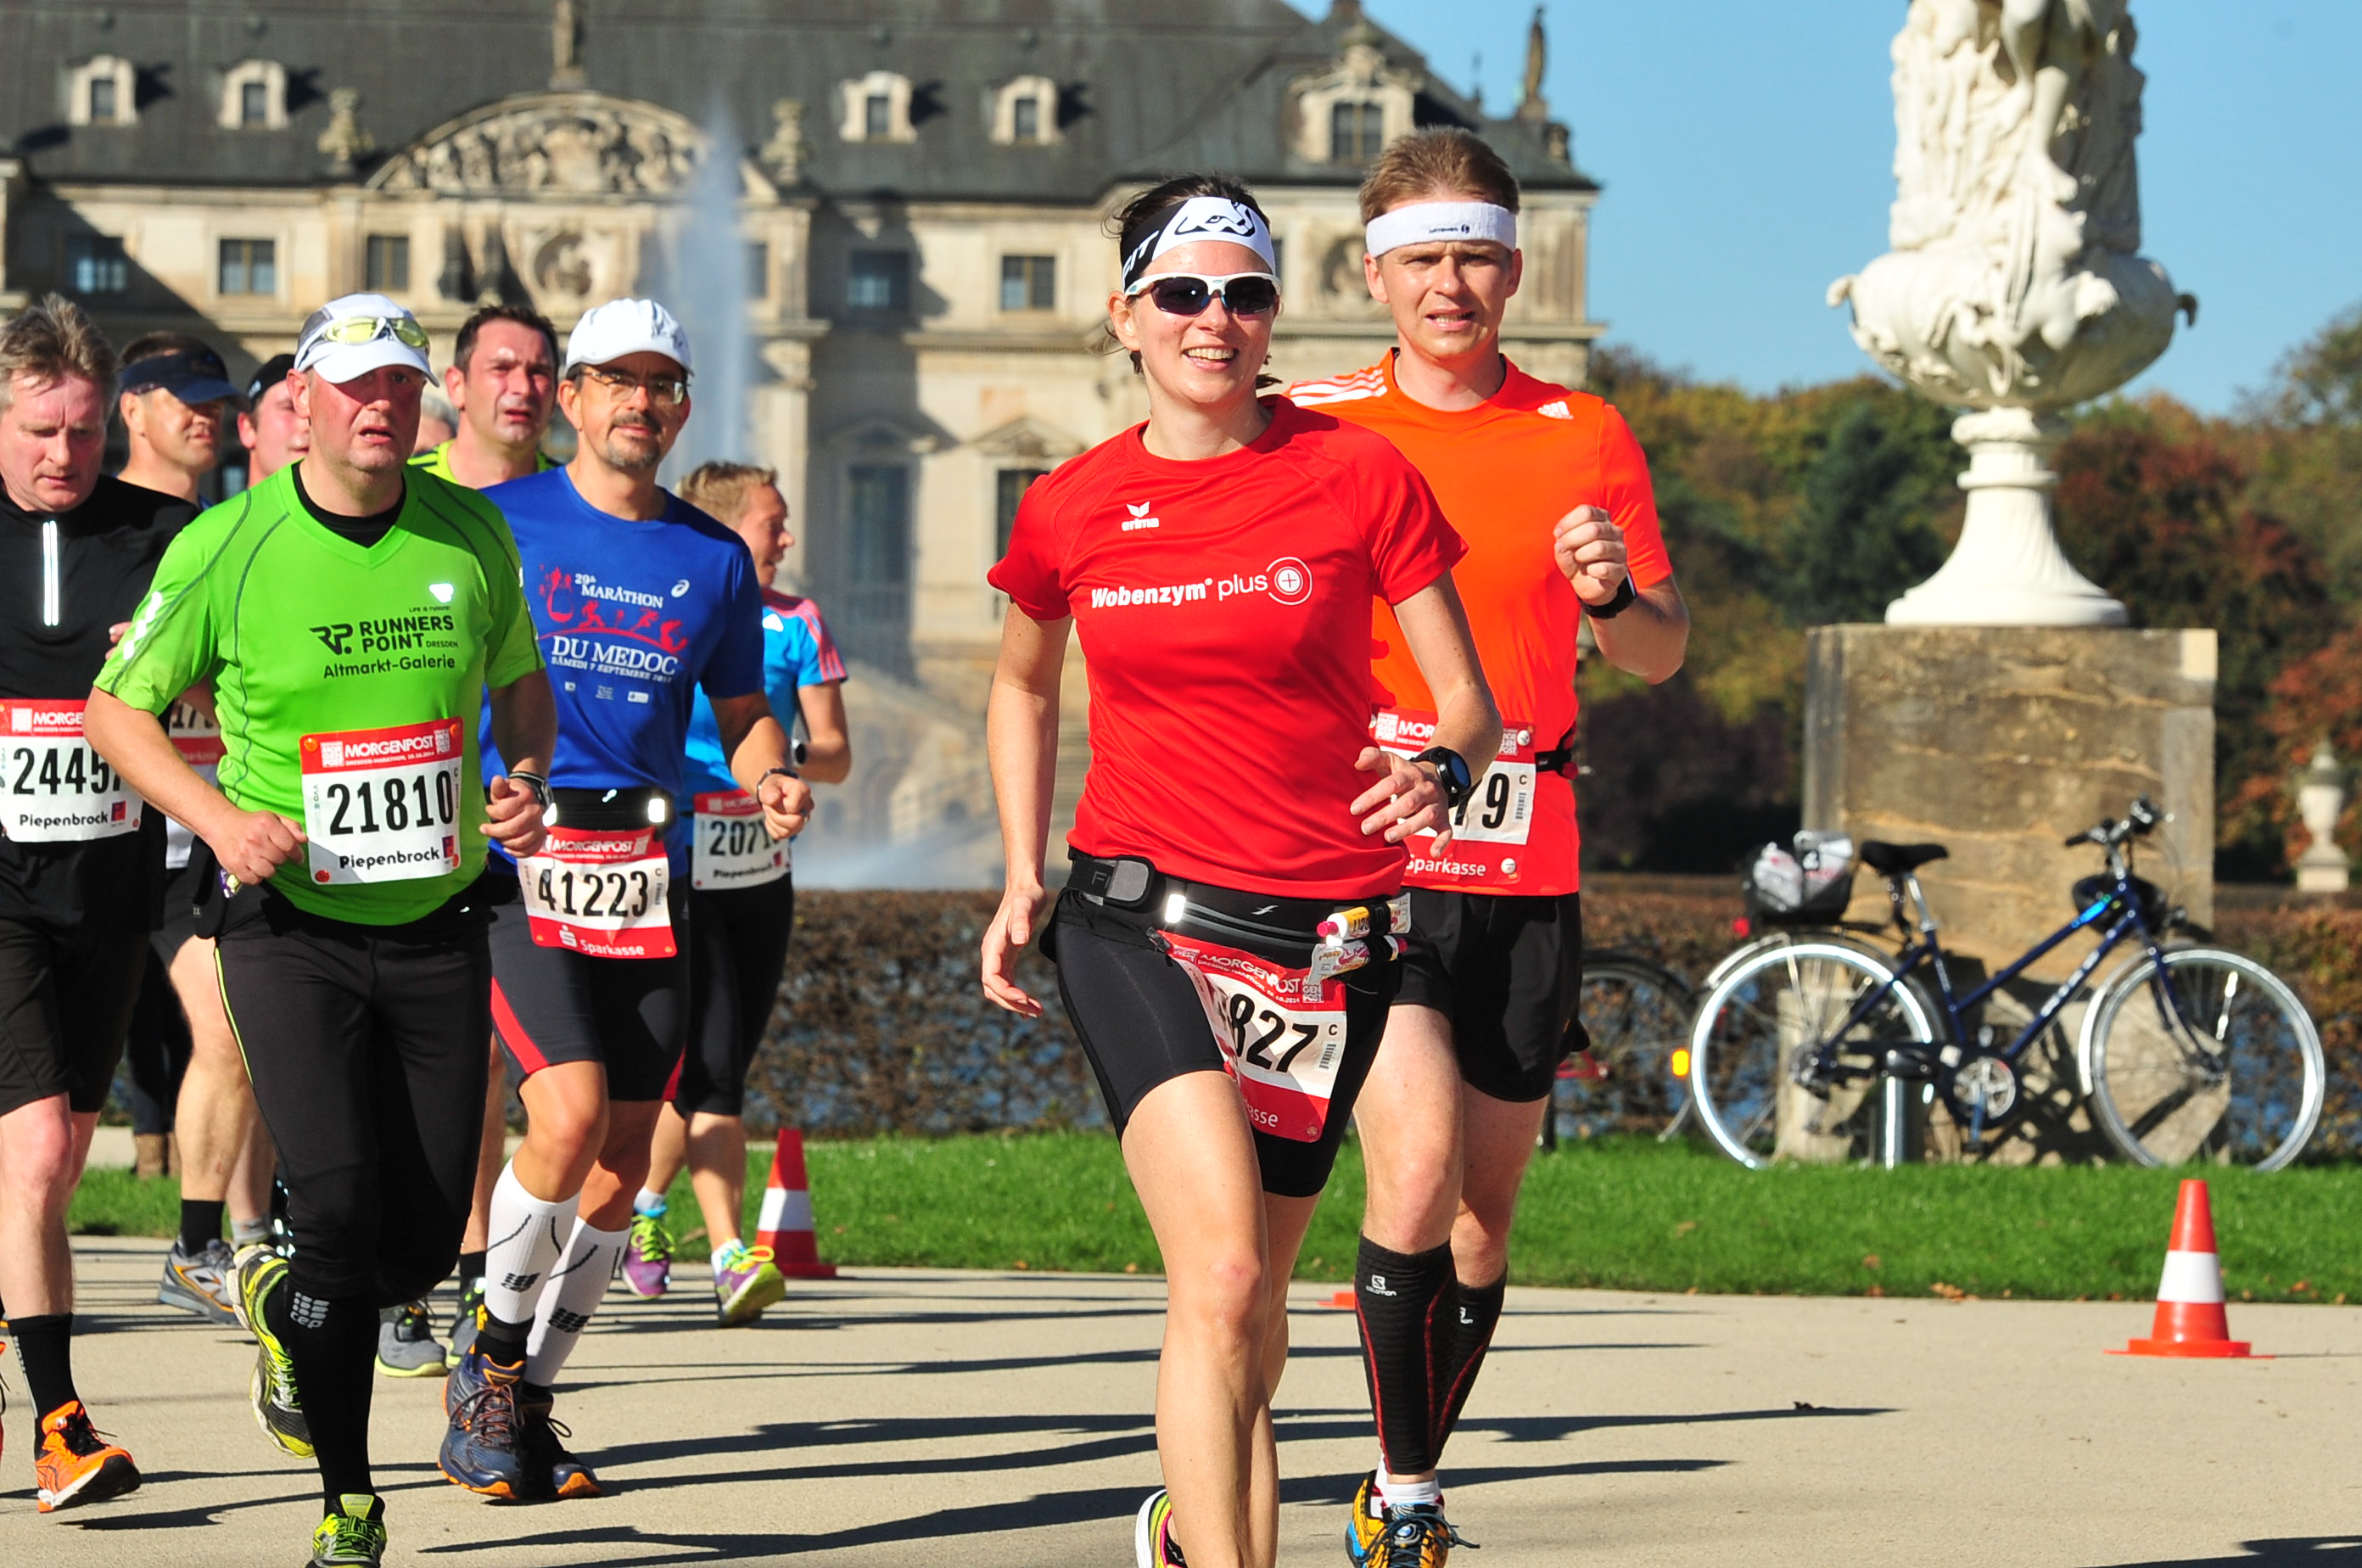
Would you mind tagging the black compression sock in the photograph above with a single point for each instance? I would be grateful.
(1471, 1334)
(45, 1344)
(501, 1340)
(201, 1221)
(471, 1268)
(1403, 1305)
(333, 1346)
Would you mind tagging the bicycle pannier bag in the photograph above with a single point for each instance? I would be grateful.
(1807, 883)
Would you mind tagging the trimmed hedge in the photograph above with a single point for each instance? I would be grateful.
(881, 1026)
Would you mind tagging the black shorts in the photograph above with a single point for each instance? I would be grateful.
(734, 982)
(1137, 1014)
(551, 1005)
(66, 996)
(177, 922)
(1507, 971)
(366, 1046)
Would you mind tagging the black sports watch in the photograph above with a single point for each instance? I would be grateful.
(1625, 596)
(1452, 772)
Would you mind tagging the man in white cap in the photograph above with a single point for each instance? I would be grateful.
(355, 619)
(640, 599)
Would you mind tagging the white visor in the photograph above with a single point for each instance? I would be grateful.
(1425, 222)
(1199, 218)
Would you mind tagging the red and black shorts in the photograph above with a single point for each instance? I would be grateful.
(1507, 971)
(551, 1005)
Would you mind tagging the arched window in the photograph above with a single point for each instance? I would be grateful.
(1025, 112)
(254, 96)
(878, 108)
(103, 91)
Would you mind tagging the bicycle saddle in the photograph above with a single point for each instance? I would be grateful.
(1893, 859)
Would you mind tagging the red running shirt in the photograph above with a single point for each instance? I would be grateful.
(1223, 607)
(1505, 471)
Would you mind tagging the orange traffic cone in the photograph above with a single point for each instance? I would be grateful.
(786, 1226)
(1343, 1298)
(2190, 1317)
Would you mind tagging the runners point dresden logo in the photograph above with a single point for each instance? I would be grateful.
(1291, 581)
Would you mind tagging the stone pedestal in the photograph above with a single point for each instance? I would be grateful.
(1999, 743)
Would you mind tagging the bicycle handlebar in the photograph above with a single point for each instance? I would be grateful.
(2138, 821)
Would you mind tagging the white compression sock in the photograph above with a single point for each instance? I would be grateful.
(575, 1288)
(527, 1236)
(1393, 1493)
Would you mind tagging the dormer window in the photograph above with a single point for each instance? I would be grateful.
(878, 108)
(1349, 113)
(1357, 131)
(254, 96)
(102, 91)
(1025, 112)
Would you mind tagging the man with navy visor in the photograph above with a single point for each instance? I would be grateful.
(639, 598)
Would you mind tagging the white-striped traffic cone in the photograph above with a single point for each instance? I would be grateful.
(2190, 1320)
(786, 1226)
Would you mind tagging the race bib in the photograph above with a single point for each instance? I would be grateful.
(382, 805)
(1281, 1031)
(194, 732)
(599, 892)
(58, 790)
(733, 849)
(1489, 830)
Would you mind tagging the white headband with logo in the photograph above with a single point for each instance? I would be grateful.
(1426, 222)
(1199, 218)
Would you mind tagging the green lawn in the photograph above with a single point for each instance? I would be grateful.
(1627, 1216)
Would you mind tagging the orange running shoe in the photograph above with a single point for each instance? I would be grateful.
(75, 1464)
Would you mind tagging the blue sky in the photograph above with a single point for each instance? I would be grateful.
(1746, 148)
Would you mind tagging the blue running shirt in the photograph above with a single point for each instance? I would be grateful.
(797, 652)
(633, 618)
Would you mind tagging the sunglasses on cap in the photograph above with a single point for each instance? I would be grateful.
(351, 330)
(1189, 293)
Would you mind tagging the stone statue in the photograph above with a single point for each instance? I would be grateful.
(1533, 105)
(565, 44)
(344, 140)
(555, 147)
(2014, 286)
(783, 155)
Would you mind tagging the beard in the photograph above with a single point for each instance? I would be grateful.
(624, 450)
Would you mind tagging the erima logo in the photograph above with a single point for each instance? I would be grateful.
(680, 588)
(441, 591)
(338, 637)
(1138, 518)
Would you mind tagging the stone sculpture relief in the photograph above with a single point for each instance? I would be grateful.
(2014, 287)
(566, 144)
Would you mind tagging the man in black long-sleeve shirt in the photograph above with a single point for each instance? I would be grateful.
(80, 860)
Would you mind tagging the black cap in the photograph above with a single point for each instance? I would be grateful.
(192, 375)
(274, 371)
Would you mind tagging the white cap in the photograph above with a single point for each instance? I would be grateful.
(608, 332)
(341, 362)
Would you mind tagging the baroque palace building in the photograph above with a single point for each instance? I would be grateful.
(921, 191)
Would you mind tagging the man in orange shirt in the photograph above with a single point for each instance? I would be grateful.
(1552, 495)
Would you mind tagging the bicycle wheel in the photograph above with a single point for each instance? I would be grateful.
(1638, 1015)
(1770, 1013)
(2227, 1069)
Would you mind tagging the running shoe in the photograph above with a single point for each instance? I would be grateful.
(204, 1282)
(483, 1450)
(276, 1408)
(75, 1464)
(352, 1537)
(464, 1326)
(647, 1256)
(1153, 1545)
(406, 1345)
(1368, 1523)
(248, 1252)
(547, 1464)
(1416, 1537)
(745, 1281)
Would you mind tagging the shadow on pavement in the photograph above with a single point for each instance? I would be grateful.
(2293, 1551)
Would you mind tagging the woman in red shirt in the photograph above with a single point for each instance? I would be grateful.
(1226, 941)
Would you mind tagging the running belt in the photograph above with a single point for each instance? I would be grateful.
(1129, 883)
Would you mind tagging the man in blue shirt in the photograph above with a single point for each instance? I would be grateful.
(743, 901)
(639, 599)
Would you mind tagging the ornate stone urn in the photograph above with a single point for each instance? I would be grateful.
(2015, 288)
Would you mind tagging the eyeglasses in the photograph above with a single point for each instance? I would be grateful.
(1189, 293)
(352, 329)
(666, 392)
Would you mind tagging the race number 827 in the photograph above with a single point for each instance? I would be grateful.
(1257, 1031)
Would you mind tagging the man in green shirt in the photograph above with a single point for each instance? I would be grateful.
(351, 615)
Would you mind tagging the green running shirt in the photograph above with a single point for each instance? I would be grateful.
(436, 461)
(348, 679)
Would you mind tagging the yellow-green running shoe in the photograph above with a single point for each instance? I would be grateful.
(276, 1408)
(745, 1280)
(1153, 1545)
(354, 1536)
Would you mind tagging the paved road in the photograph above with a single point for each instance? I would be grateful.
(912, 1417)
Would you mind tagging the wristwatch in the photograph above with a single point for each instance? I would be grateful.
(1452, 772)
(1625, 594)
(782, 772)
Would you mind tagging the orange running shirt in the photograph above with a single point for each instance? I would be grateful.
(1505, 471)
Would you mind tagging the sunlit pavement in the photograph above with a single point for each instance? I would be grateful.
(908, 1417)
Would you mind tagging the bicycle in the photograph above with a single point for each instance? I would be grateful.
(2226, 1065)
(1637, 1012)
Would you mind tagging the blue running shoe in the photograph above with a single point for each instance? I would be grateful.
(484, 1448)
